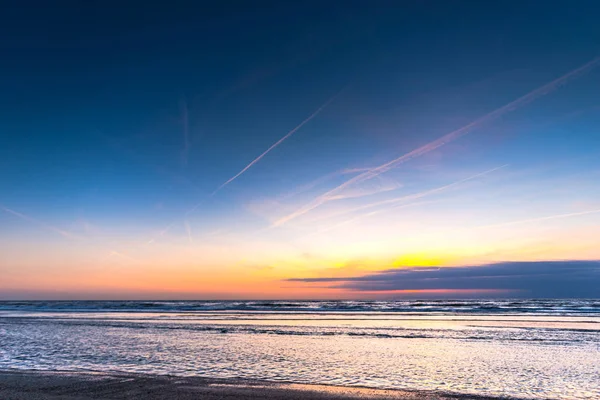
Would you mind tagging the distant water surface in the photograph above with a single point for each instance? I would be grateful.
(536, 349)
(510, 306)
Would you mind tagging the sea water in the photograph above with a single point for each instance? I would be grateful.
(539, 349)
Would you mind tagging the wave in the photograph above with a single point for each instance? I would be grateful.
(511, 306)
(566, 336)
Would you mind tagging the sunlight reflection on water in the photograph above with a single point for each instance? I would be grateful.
(534, 357)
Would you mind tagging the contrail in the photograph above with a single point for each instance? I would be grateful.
(188, 229)
(164, 231)
(414, 196)
(39, 223)
(550, 217)
(384, 185)
(321, 180)
(257, 159)
(61, 232)
(277, 143)
(172, 224)
(419, 195)
(186, 134)
(123, 256)
(178, 179)
(348, 221)
(529, 97)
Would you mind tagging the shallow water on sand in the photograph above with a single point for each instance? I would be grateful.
(523, 354)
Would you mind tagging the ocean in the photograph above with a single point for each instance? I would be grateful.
(537, 349)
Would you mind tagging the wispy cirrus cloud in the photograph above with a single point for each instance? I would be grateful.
(380, 185)
(366, 215)
(415, 196)
(539, 219)
(449, 137)
(320, 181)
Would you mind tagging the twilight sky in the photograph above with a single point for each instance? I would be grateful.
(309, 149)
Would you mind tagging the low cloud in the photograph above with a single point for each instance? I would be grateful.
(526, 279)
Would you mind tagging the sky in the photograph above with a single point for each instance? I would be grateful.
(299, 150)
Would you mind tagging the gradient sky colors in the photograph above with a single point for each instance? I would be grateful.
(299, 150)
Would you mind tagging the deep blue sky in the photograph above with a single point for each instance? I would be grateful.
(94, 98)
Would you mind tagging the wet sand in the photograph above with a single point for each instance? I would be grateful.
(91, 386)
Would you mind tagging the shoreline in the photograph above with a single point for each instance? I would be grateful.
(55, 385)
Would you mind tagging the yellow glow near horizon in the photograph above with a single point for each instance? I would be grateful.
(418, 260)
(245, 266)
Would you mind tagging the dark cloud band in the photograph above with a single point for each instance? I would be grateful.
(531, 279)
